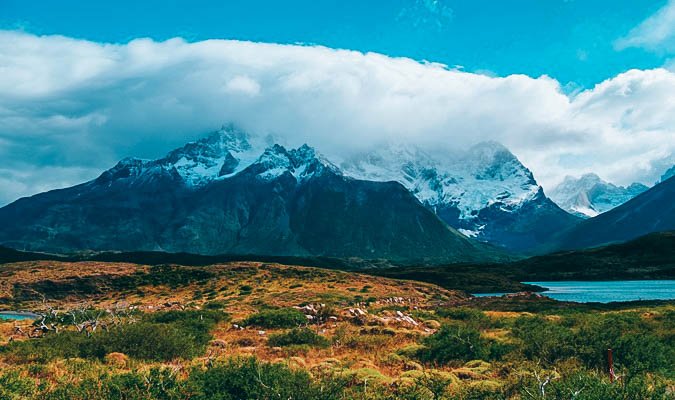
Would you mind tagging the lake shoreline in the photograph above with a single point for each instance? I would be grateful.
(21, 315)
(601, 291)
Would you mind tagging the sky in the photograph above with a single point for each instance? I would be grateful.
(569, 86)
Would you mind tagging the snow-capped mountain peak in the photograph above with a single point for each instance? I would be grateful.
(302, 163)
(589, 195)
(469, 180)
(221, 154)
(485, 192)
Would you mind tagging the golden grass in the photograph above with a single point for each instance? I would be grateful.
(366, 346)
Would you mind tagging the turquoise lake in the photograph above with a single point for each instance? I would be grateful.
(605, 291)
(17, 315)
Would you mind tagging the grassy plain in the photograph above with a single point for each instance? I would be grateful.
(257, 330)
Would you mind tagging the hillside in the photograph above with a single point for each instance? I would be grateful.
(651, 211)
(648, 257)
(485, 192)
(257, 330)
(285, 203)
(235, 193)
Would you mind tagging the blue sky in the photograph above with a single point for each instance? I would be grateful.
(570, 86)
(572, 41)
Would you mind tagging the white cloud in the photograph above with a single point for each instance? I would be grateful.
(243, 85)
(71, 105)
(655, 33)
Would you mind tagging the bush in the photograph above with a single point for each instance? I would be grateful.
(158, 337)
(543, 340)
(276, 319)
(197, 324)
(13, 386)
(155, 384)
(584, 385)
(469, 315)
(215, 305)
(251, 379)
(454, 343)
(644, 353)
(638, 346)
(146, 341)
(298, 336)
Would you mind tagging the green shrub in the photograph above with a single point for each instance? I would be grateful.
(298, 336)
(454, 343)
(584, 385)
(158, 337)
(470, 315)
(215, 305)
(195, 323)
(158, 384)
(543, 340)
(639, 346)
(147, 341)
(644, 353)
(279, 318)
(13, 386)
(251, 379)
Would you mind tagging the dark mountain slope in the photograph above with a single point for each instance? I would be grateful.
(651, 211)
(648, 257)
(485, 192)
(526, 228)
(290, 203)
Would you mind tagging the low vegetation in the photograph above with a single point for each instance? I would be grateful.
(161, 336)
(267, 331)
(279, 318)
(298, 337)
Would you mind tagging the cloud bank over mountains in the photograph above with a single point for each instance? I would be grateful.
(70, 108)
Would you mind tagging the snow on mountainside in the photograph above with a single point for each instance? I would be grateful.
(208, 198)
(484, 192)
(302, 163)
(589, 195)
(485, 175)
(222, 154)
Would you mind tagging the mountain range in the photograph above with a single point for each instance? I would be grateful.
(651, 211)
(235, 193)
(589, 195)
(486, 192)
(203, 198)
